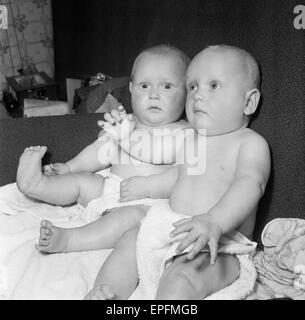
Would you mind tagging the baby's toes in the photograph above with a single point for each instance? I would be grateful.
(43, 242)
(107, 292)
(46, 224)
(45, 236)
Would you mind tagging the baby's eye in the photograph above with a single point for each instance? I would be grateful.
(192, 87)
(144, 85)
(168, 85)
(214, 85)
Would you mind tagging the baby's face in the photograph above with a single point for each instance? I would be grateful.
(216, 92)
(158, 89)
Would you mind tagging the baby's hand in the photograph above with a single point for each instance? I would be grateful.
(133, 188)
(118, 123)
(202, 231)
(55, 169)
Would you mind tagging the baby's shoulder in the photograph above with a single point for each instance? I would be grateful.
(253, 143)
(250, 136)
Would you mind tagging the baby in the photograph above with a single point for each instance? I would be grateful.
(158, 99)
(222, 93)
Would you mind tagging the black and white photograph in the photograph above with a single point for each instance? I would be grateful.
(152, 151)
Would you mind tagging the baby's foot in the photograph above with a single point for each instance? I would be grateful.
(53, 239)
(102, 292)
(29, 172)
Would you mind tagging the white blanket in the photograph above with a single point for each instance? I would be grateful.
(26, 273)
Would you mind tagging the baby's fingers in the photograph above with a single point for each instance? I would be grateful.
(197, 247)
(182, 227)
(122, 112)
(105, 125)
(116, 115)
(187, 241)
(109, 118)
(124, 183)
(47, 169)
(125, 195)
(213, 245)
(180, 222)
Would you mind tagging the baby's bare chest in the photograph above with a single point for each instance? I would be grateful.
(195, 193)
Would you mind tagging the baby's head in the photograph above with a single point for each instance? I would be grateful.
(223, 85)
(157, 85)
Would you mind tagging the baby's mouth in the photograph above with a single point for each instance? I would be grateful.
(154, 108)
(198, 110)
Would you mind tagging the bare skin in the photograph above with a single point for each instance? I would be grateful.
(32, 182)
(102, 233)
(124, 252)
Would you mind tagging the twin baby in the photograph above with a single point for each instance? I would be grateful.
(198, 207)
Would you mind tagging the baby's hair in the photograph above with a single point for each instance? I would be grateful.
(164, 50)
(250, 63)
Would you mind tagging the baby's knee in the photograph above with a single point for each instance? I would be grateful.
(177, 282)
(132, 214)
(90, 186)
(128, 239)
(138, 213)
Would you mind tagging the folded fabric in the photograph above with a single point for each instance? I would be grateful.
(110, 198)
(281, 265)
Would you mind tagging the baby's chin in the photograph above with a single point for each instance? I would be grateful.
(157, 121)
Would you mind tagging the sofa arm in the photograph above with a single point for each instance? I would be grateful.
(65, 136)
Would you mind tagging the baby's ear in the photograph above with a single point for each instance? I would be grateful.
(252, 100)
(130, 86)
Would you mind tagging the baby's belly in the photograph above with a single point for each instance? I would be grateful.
(192, 198)
(126, 171)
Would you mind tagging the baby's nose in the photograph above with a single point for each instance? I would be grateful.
(200, 96)
(154, 93)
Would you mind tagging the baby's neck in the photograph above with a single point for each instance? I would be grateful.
(171, 125)
(227, 133)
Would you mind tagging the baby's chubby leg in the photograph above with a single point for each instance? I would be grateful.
(196, 279)
(118, 276)
(103, 233)
(60, 190)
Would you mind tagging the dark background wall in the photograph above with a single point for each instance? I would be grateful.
(105, 36)
(99, 35)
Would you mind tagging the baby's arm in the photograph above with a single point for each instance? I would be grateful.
(241, 199)
(97, 156)
(158, 186)
(252, 174)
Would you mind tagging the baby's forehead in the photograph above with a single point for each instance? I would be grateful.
(217, 60)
